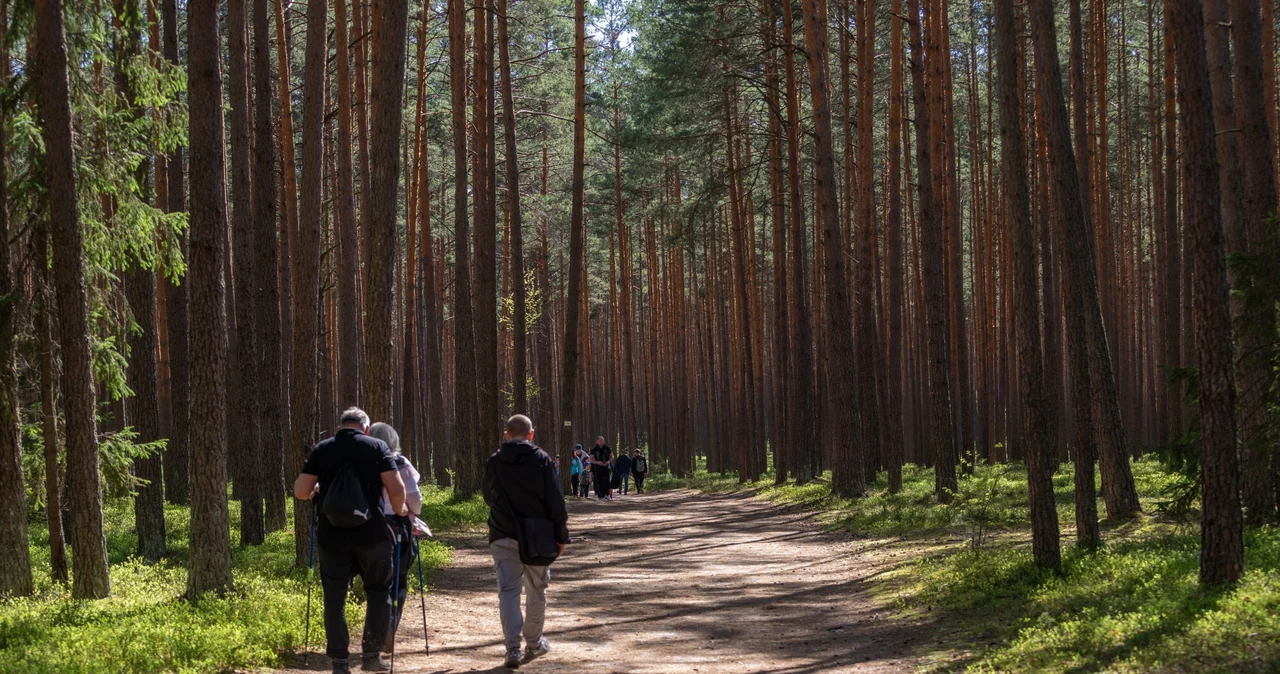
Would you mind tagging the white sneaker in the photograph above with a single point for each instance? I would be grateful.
(538, 649)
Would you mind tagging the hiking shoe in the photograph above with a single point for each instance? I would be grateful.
(341, 667)
(513, 659)
(375, 663)
(538, 649)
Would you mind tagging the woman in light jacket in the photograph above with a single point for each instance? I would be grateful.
(403, 526)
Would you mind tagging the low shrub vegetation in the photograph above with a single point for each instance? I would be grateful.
(148, 626)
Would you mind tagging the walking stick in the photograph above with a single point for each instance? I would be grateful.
(422, 596)
(311, 555)
(395, 599)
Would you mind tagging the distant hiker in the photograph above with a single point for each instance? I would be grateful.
(575, 470)
(348, 473)
(622, 472)
(639, 470)
(601, 456)
(402, 527)
(528, 529)
(586, 476)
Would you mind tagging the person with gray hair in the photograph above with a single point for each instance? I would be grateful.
(351, 458)
(402, 526)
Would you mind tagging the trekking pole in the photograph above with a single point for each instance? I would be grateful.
(422, 596)
(395, 599)
(311, 555)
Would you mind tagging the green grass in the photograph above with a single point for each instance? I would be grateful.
(1133, 605)
(992, 499)
(147, 626)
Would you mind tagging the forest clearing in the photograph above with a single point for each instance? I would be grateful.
(935, 335)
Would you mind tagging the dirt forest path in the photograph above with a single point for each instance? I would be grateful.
(677, 582)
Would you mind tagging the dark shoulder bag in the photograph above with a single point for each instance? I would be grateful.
(536, 535)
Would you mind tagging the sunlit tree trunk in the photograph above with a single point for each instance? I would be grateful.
(306, 266)
(209, 568)
(380, 255)
(88, 538)
(465, 410)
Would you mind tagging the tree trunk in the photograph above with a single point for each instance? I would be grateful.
(267, 298)
(142, 409)
(380, 254)
(519, 324)
(245, 446)
(467, 464)
(783, 450)
(868, 360)
(943, 428)
(1084, 315)
(577, 240)
(1258, 323)
(210, 565)
(15, 570)
(306, 266)
(88, 539)
(1221, 526)
(485, 261)
(433, 367)
(894, 445)
(176, 465)
(49, 413)
(1044, 515)
(348, 236)
(804, 400)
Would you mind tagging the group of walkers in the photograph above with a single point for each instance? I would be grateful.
(599, 469)
(367, 503)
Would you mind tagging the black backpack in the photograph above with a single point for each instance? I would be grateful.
(345, 504)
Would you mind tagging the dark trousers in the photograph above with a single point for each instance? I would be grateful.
(639, 482)
(573, 481)
(338, 565)
(600, 478)
(402, 590)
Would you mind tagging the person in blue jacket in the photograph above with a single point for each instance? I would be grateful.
(575, 470)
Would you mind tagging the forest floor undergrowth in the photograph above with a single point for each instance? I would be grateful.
(147, 626)
(1133, 605)
(707, 575)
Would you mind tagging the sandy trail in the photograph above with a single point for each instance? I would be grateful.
(676, 582)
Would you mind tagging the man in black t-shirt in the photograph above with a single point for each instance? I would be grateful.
(367, 549)
(600, 456)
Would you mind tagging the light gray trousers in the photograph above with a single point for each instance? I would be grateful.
(512, 574)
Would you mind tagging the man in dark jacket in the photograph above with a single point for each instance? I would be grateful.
(601, 458)
(622, 469)
(366, 549)
(520, 482)
(640, 469)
